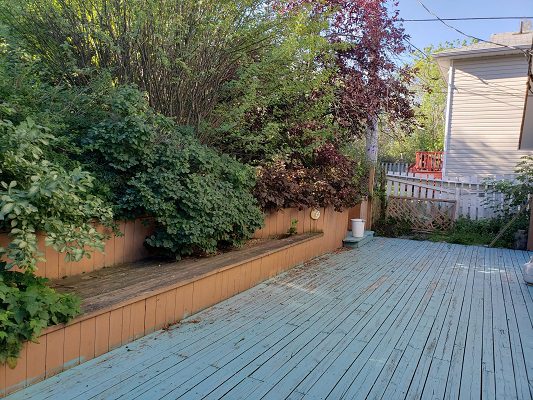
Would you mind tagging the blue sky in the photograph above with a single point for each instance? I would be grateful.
(426, 33)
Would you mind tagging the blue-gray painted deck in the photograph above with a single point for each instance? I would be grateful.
(395, 319)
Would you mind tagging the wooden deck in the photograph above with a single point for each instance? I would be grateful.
(395, 319)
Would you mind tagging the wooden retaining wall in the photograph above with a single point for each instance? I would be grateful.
(279, 222)
(91, 335)
(118, 250)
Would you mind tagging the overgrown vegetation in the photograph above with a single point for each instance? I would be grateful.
(512, 215)
(482, 232)
(326, 178)
(427, 127)
(37, 194)
(202, 200)
(516, 192)
(200, 114)
(180, 53)
(465, 231)
(27, 306)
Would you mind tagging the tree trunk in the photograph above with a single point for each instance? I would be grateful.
(371, 137)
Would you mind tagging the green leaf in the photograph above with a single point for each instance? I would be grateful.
(7, 208)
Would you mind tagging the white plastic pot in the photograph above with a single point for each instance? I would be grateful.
(528, 271)
(358, 228)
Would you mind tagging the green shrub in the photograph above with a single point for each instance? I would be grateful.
(201, 200)
(27, 306)
(515, 193)
(38, 195)
(465, 231)
(390, 227)
(482, 232)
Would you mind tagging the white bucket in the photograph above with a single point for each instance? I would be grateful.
(528, 271)
(358, 228)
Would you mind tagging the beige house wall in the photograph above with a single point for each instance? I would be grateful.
(487, 108)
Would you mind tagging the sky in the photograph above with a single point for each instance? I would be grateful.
(426, 33)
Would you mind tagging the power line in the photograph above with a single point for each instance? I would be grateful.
(459, 19)
(526, 53)
(418, 49)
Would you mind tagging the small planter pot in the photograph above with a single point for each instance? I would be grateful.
(528, 272)
(358, 228)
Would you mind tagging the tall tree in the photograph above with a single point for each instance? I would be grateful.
(280, 103)
(181, 52)
(431, 87)
(370, 82)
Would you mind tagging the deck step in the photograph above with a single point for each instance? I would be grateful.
(355, 243)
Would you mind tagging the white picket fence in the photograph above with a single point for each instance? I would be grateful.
(398, 167)
(474, 198)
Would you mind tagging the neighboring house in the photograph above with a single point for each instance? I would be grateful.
(489, 120)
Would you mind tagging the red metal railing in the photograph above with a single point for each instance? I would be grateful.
(428, 162)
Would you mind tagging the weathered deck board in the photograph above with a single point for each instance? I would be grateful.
(395, 319)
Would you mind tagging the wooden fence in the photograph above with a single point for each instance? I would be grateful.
(395, 167)
(119, 249)
(474, 197)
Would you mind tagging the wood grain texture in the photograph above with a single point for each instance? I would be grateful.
(15, 378)
(71, 348)
(115, 329)
(101, 342)
(55, 342)
(35, 370)
(126, 302)
(395, 319)
(130, 248)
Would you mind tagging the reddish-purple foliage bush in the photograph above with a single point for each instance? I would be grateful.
(329, 178)
(371, 81)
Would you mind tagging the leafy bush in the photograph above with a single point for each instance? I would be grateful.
(181, 53)
(38, 195)
(516, 193)
(465, 231)
(391, 227)
(27, 306)
(482, 232)
(281, 102)
(201, 200)
(327, 179)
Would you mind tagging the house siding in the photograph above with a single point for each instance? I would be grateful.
(486, 117)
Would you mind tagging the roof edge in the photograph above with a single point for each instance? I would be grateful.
(470, 53)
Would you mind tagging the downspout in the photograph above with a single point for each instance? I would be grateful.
(447, 126)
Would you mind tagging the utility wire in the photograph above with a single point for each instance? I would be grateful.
(417, 48)
(459, 19)
(526, 53)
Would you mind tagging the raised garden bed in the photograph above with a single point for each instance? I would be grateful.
(125, 302)
(109, 287)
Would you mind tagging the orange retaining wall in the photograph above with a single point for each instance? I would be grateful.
(118, 250)
(91, 335)
(279, 222)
